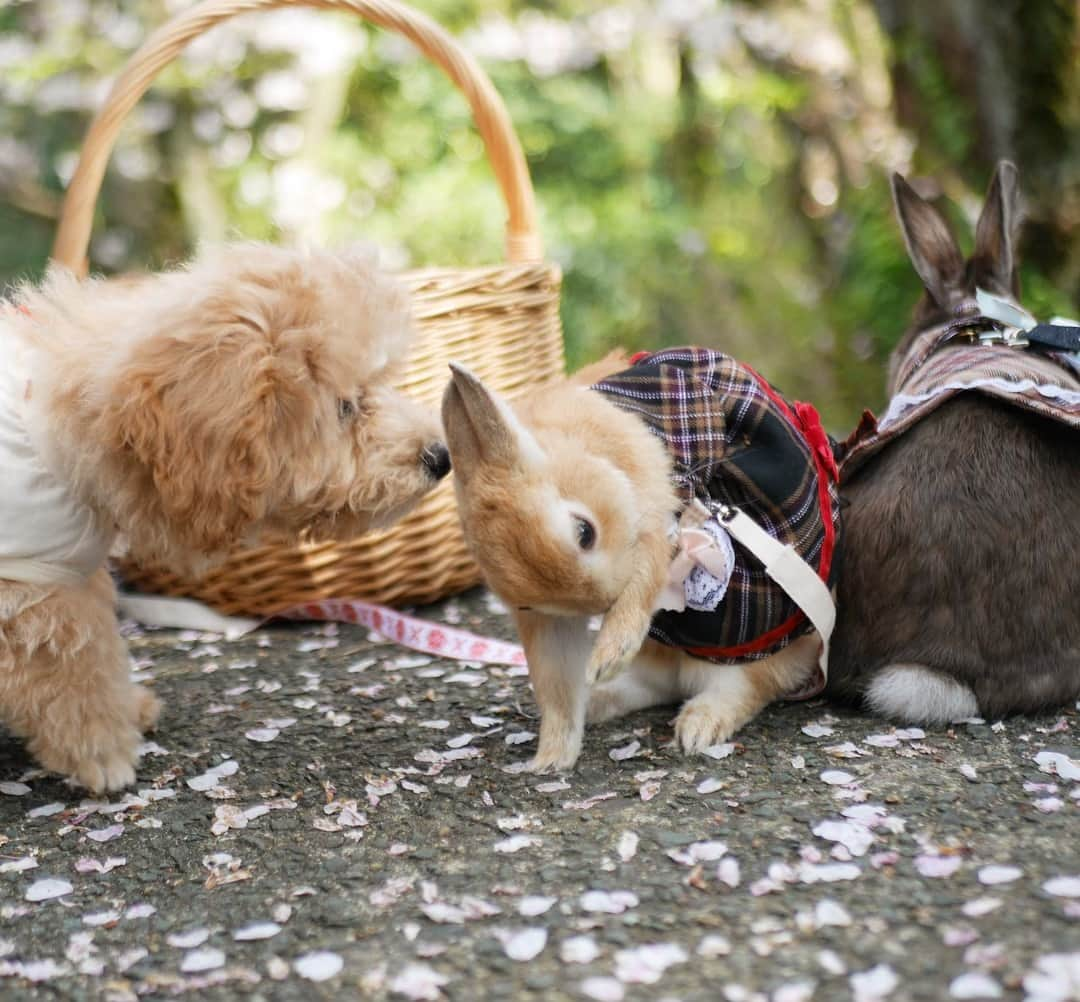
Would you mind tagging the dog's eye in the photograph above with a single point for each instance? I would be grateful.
(346, 409)
(586, 533)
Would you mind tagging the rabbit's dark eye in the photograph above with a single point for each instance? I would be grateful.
(586, 533)
(346, 409)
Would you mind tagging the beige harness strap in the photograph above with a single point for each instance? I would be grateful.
(793, 574)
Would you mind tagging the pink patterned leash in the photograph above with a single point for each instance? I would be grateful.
(409, 631)
(420, 635)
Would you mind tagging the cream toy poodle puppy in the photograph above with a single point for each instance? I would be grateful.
(250, 392)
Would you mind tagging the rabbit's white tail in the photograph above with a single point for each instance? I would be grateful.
(916, 694)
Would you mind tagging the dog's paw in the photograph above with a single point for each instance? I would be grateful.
(147, 709)
(107, 774)
(703, 723)
(102, 766)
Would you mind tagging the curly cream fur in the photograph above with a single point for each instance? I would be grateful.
(195, 410)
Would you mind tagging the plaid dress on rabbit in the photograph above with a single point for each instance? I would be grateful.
(736, 442)
(950, 359)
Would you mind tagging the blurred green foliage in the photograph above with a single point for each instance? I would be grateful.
(707, 172)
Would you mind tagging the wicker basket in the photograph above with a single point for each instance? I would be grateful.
(502, 321)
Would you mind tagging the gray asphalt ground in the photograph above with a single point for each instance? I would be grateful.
(374, 837)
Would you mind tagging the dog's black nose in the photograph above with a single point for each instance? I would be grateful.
(436, 458)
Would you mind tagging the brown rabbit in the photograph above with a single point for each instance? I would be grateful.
(961, 567)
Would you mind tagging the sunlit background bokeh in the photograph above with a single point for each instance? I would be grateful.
(708, 171)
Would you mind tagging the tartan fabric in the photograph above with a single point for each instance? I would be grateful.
(940, 365)
(734, 440)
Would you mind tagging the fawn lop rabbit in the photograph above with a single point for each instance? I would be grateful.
(569, 502)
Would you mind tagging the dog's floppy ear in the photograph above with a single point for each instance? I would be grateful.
(480, 429)
(995, 234)
(931, 246)
(197, 417)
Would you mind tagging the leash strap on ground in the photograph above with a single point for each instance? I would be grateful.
(423, 635)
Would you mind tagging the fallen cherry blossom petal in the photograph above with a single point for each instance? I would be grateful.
(719, 751)
(829, 912)
(795, 991)
(876, 983)
(209, 779)
(832, 962)
(553, 786)
(46, 810)
(1063, 887)
(828, 873)
(18, 865)
(1056, 978)
(855, 837)
(625, 752)
(579, 950)
(603, 989)
(535, 905)
(981, 906)
(106, 834)
(321, 965)
(837, 777)
(646, 964)
(728, 872)
(515, 843)
(974, 985)
(1059, 765)
(255, 931)
(47, 888)
(648, 790)
(937, 866)
(713, 945)
(202, 960)
(609, 902)
(262, 734)
(87, 865)
(817, 730)
(846, 750)
(110, 917)
(525, 944)
(419, 982)
(627, 847)
(141, 910)
(698, 852)
(990, 875)
(14, 789)
(189, 939)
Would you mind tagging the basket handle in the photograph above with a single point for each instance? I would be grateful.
(490, 114)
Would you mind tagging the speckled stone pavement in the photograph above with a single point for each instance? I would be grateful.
(322, 815)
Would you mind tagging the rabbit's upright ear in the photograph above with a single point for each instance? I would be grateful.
(931, 246)
(481, 430)
(995, 236)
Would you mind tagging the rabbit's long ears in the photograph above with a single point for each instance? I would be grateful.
(481, 429)
(994, 261)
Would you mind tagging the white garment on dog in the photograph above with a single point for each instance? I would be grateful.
(47, 536)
